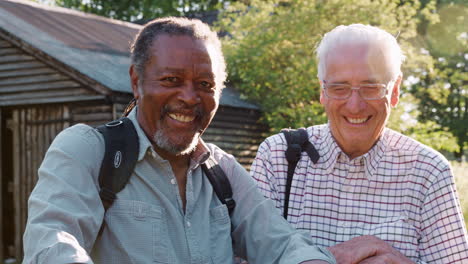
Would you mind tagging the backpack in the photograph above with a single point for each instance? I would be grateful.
(298, 142)
(121, 155)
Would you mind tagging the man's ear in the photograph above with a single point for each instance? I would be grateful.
(395, 97)
(322, 96)
(134, 81)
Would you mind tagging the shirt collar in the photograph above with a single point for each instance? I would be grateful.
(375, 154)
(331, 152)
(200, 155)
(329, 149)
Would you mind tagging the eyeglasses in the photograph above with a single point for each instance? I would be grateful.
(342, 91)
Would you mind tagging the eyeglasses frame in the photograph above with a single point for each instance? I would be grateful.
(357, 88)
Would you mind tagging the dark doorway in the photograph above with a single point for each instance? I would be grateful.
(7, 231)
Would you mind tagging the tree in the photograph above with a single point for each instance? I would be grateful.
(270, 49)
(129, 10)
(442, 92)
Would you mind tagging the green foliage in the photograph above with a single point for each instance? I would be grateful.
(145, 9)
(404, 118)
(270, 49)
(443, 92)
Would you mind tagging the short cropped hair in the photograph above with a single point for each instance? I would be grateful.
(175, 26)
(382, 43)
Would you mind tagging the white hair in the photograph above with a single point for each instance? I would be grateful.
(383, 47)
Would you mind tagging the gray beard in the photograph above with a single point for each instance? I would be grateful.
(163, 143)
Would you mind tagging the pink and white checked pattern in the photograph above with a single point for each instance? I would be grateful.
(400, 191)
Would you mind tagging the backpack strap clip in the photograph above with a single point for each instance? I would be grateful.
(298, 141)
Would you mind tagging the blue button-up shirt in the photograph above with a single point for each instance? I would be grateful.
(147, 222)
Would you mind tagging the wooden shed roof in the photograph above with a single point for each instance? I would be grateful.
(95, 47)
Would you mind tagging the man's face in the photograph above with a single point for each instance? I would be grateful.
(178, 96)
(356, 124)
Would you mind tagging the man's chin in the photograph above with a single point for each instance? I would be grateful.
(180, 149)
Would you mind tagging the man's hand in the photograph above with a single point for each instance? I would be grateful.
(367, 250)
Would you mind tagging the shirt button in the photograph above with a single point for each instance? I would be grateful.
(173, 181)
(188, 224)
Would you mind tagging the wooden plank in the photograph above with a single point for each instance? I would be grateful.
(31, 133)
(119, 108)
(21, 65)
(16, 175)
(231, 139)
(89, 109)
(42, 147)
(15, 101)
(9, 51)
(5, 44)
(57, 85)
(54, 77)
(237, 125)
(101, 117)
(23, 175)
(47, 94)
(2, 258)
(25, 72)
(66, 116)
(35, 150)
(15, 58)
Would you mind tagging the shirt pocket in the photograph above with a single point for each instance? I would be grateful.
(141, 231)
(220, 235)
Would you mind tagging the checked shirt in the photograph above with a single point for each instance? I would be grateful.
(400, 191)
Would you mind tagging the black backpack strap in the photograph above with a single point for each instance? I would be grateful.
(298, 141)
(121, 155)
(220, 183)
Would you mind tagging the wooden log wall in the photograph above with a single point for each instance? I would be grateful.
(33, 128)
(25, 79)
(238, 132)
(93, 114)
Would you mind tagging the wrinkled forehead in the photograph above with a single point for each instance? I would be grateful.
(375, 56)
(178, 50)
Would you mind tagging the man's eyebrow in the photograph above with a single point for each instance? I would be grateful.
(207, 75)
(170, 70)
(371, 80)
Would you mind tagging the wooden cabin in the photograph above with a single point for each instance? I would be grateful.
(60, 67)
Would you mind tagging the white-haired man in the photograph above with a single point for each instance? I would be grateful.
(370, 184)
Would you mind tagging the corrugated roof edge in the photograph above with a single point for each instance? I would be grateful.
(64, 10)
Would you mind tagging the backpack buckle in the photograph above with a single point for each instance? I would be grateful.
(293, 153)
(230, 203)
(114, 123)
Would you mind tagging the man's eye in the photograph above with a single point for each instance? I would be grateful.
(371, 86)
(206, 85)
(339, 88)
(171, 79)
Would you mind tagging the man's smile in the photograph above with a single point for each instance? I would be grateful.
(181, 117)
(357, 120)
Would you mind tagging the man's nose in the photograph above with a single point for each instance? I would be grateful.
(189, 94)
(355, 103)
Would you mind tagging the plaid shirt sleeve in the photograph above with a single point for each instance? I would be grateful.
(443, 234)
(261, 170)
